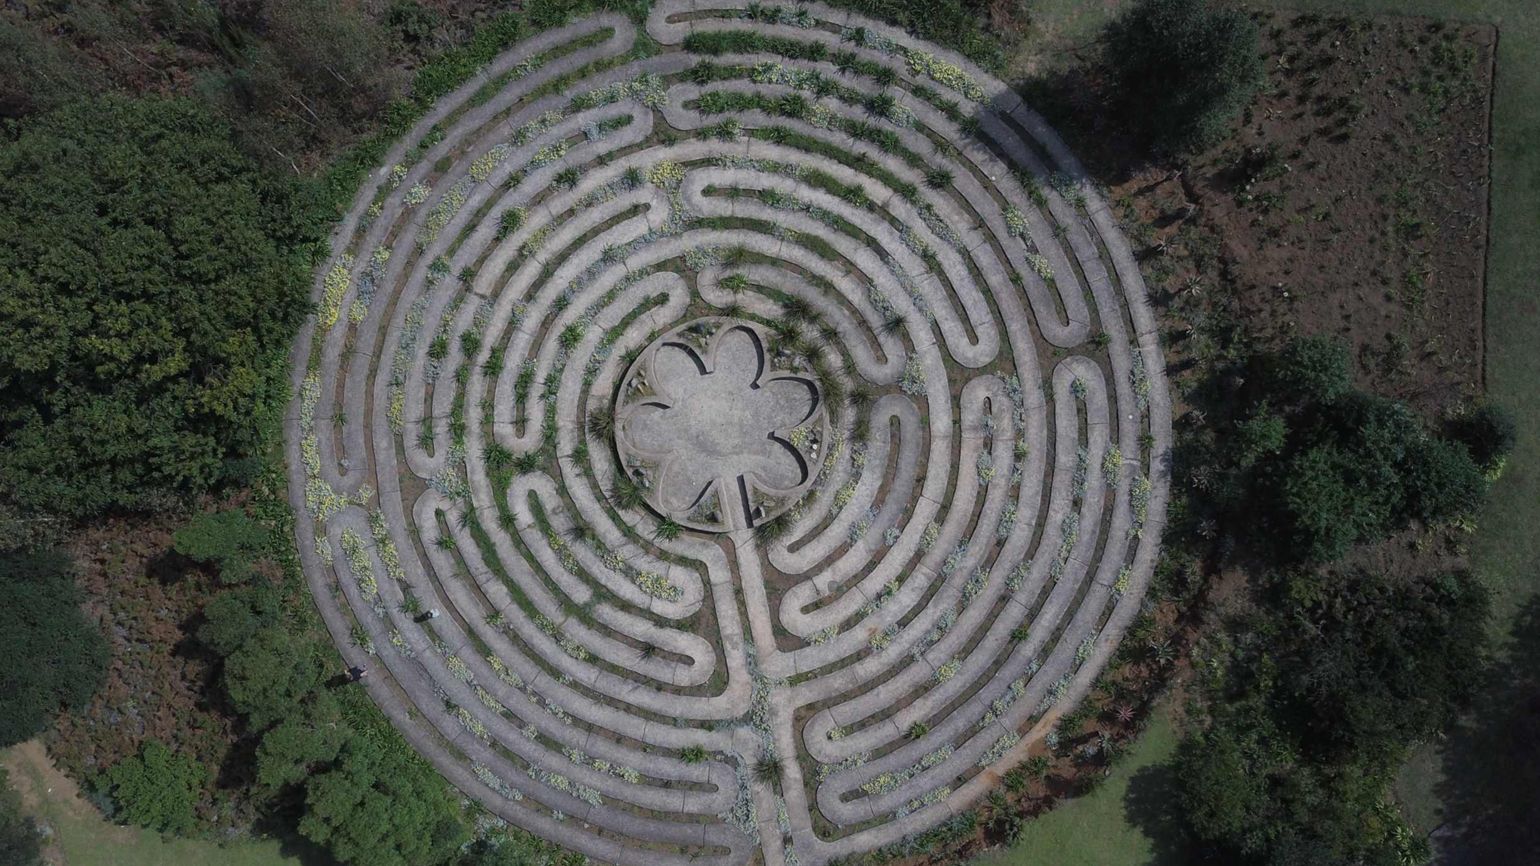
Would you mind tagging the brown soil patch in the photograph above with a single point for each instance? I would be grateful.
(161, 683)
(1352, 203)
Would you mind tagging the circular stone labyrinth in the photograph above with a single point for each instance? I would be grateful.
(738, 436)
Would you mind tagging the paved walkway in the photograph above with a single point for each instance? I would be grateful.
(843, 661)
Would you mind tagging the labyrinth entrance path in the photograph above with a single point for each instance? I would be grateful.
(736, 436)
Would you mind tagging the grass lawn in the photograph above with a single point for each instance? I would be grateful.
(1095, 830)
(81, 837)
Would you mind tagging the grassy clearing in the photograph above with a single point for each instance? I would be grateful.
(81, 837)
(1096, 830)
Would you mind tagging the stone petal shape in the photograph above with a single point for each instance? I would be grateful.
(674, 365)
(784, 402)
(738, 358)
(650, 427)
(683, 480)
(716, 415)
(778, 467)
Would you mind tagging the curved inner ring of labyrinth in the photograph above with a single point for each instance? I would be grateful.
(985, 517)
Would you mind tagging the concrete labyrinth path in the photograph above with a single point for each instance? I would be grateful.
(735, 437)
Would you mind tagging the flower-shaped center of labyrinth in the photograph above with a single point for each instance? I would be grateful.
(714, 437)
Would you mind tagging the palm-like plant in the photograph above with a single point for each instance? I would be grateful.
(772, 529)
(626, 493)
(601, 422)
(768, 768)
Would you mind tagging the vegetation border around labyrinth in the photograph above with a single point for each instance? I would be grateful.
(987, 509)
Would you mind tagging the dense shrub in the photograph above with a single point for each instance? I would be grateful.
(1317, 466)
(1337, 674)
(34, 73)
(152, 280)
(232, 618)
(1362, 467)
(1442, 481)
(156, 789)
(1488, 433)
(956, 24)
(227, 539)
(53, 658)
(310, 737)
(1327, 506)
(1249, 798)
(1308, 370)
(382, 806)
(268, 676)
(1368, 663)
(414, 24)
(1184, 68)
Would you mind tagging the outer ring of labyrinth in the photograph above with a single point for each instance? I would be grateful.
(985, 514)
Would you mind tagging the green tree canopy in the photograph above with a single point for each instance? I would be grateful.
(291, 749)
(1342, 671)
(1369, 662)
(53, 658)
(381, 805)
(150, 281)
(233, 617)
(156, 789)
(1363, 466)
(269, 676)
(1185, 69)
(1322, 466)
(228, 539)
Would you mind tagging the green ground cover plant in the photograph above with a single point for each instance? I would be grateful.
(155, 789)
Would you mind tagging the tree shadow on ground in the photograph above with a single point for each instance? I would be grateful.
(1076, 104)
(1491, 787)
(1151, 804)
(281, 827)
